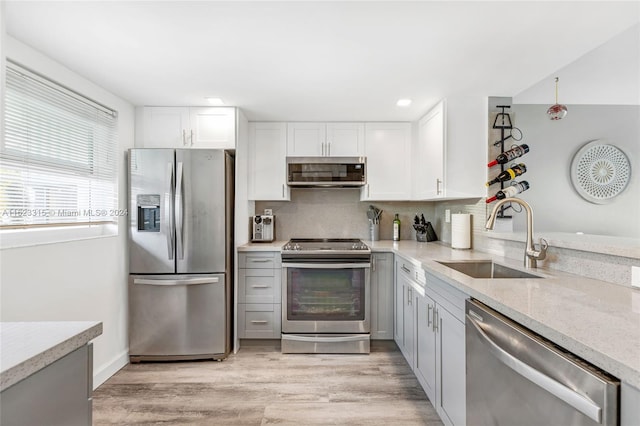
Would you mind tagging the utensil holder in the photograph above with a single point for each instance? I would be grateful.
(374, 231)
(421, 237)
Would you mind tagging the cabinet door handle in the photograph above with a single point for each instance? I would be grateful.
(283, 190)
(404, 268)
(438, 182)
(373, 264)
(259, 321)
(410, 296)
(191, 139)
(184, 137)
(368, 191)
(436, 318)
(329, 149)
(429, 307)
(323, 149)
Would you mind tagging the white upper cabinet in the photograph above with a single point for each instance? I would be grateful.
(388, 153)
(213, 127)
(325, 139)
(267, 162)
(186, 127)
(345, 139)
(450, 152)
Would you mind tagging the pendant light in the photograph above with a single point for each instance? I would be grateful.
(557, 111)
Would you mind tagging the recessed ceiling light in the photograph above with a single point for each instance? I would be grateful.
(215, 101)
(403, 102)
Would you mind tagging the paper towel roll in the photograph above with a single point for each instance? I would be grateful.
(461, 230)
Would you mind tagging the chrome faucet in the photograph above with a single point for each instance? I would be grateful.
(531, 255)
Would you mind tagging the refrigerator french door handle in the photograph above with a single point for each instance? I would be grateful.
(189, 281)
(574, 399)
(168, 210)
(179, 212)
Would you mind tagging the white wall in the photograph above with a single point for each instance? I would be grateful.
(80, 280)
(556, 204)
(607, 75)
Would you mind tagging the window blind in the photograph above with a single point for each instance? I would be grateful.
(58, 157)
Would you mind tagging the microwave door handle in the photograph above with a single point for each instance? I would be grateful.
(168, 210)
(179, 212)
(574, 399)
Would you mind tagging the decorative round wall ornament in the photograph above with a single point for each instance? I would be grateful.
(600, 171)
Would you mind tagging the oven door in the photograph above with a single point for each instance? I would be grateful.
(326, 298)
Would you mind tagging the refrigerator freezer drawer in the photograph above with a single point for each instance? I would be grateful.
(177, 317)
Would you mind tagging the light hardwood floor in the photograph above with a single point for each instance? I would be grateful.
(261, 386)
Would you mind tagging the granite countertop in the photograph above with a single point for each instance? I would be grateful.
(28, 347)
(596, 320)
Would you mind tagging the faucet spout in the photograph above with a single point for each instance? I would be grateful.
(531, 255)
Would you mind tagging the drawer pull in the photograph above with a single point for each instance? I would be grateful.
(259, 321)
(404, 268)
(259, 260)
(260, 286)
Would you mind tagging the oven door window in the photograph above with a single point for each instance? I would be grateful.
(325, 294)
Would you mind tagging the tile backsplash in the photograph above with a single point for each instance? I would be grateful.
(339, 213)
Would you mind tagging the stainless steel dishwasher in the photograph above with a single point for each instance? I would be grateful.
(515, 377)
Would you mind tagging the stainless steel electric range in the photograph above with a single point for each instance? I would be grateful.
(325, 296)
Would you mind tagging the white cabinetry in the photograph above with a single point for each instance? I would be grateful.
(325, 139)
(382, 296)
(429, 330)
(409, 284)
(259, 290)
(186, 127)
(450, 152)
(388, 152)
(440, 349)
(267, 162)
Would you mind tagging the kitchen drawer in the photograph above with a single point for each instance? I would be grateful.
(259, 321)
(260, 260)
(259, 285)
(448, 296)
(411, 270)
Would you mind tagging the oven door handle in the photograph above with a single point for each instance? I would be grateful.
(326, 265)
(327, 339)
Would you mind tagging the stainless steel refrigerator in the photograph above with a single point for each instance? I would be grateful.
(180, 253)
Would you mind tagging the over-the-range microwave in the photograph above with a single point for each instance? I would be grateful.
(309, 172)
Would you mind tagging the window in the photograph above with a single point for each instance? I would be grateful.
(58, 157)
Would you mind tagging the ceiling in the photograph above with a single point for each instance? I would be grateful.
(316, 61)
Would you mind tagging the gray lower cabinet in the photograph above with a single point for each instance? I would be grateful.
(382, 296)
(59, 394)
(430, 332)
(259, 295)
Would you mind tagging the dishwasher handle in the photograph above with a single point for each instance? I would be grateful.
(574, 399)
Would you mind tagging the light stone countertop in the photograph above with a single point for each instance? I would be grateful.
(28, 347)
(596, 320)
(272, 246)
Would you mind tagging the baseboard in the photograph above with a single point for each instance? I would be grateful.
(107, 370)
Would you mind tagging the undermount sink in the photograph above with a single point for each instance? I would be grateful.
(486, 269)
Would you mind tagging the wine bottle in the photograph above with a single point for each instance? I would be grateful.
(509, 174)
(505, 157)
(510, 191)
(396, 228)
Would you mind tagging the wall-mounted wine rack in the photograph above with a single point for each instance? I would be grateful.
(503, 123)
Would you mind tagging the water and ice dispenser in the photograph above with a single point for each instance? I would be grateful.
(148, 212)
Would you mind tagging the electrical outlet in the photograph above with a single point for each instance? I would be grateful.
(635, 276)
(447, 216)
(268, 212)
